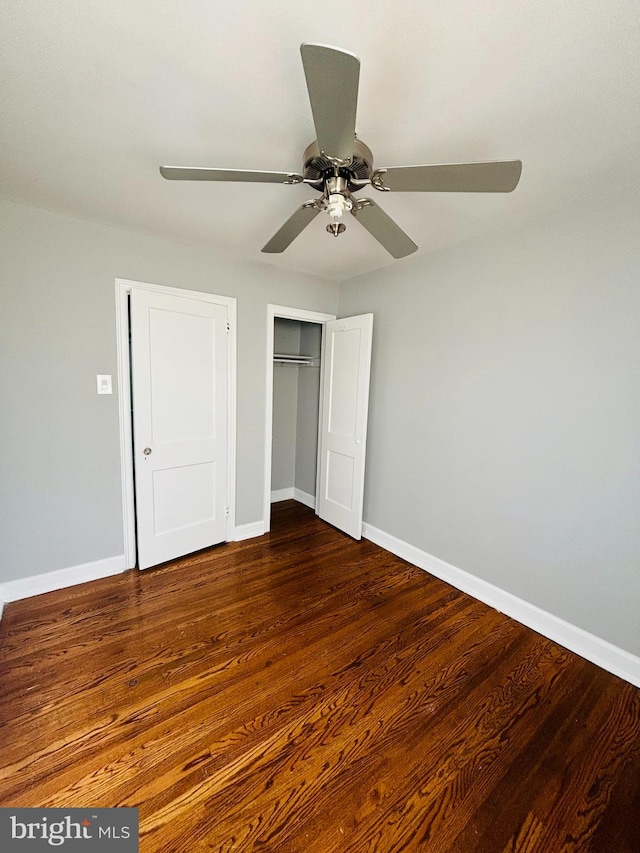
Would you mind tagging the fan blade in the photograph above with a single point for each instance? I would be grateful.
(194, 173)
(332, 80)
(381, 226)
(292, 227)
(499, 176)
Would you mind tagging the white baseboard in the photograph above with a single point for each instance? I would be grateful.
(592, 648)
(61, 578)
(248, 531)
(282, 495)
(304, 498)
(293, 494)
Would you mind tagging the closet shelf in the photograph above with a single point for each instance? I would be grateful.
(304, 360)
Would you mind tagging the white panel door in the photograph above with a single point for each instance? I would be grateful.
(179, 357)
(343, 429)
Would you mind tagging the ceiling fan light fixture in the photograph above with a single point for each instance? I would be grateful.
(337, 205)
(338, 164)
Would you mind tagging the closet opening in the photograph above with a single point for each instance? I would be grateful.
(296, 406)
(294, 380)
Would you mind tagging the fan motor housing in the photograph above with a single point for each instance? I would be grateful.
(317, 168)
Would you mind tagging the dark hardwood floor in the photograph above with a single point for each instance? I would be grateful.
(305, 692)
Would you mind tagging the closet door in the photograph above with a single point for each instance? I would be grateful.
(179, 351)
(343, 428)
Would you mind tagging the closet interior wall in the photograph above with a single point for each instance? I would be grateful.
(296, 402)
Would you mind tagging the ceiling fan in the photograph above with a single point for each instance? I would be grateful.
(339, 165)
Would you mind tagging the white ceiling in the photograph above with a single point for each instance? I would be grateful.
(96, 95)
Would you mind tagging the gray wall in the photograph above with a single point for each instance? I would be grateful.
(286, 339)
(505, 410)
(59, 455)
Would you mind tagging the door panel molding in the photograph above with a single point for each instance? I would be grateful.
(123, 287)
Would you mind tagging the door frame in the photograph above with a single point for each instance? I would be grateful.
(124, 287)
(286, 313)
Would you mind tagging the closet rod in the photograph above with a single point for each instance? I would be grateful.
(283, 358)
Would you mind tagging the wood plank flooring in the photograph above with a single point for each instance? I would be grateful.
(304, 692)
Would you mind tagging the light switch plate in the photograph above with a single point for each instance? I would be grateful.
(104, 384)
